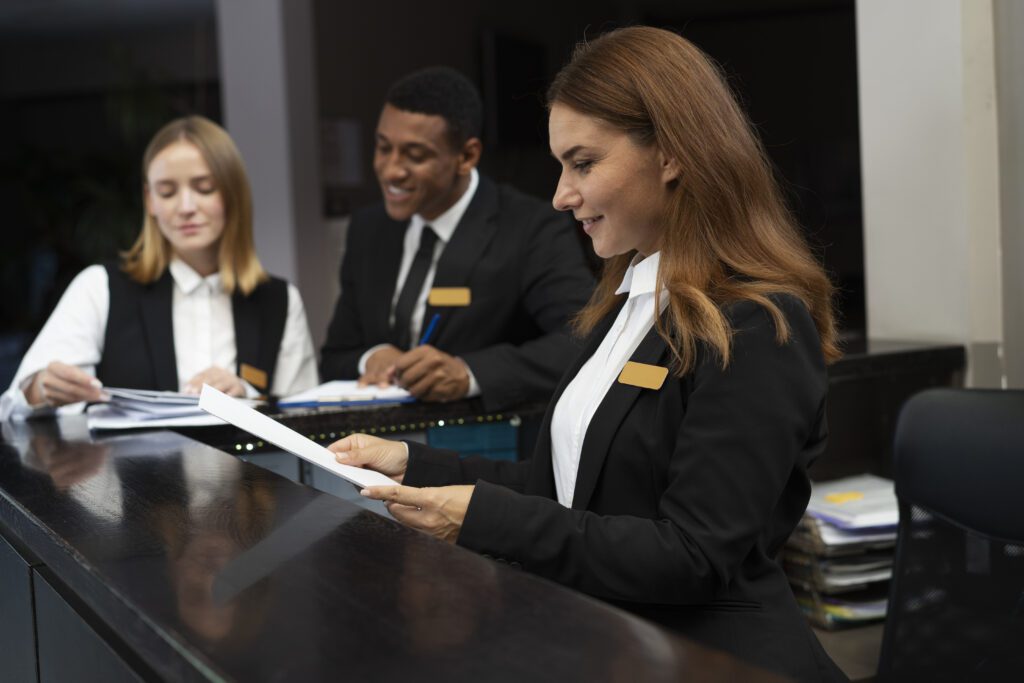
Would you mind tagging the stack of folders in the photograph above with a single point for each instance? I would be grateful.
(839, 559)
(141, 409)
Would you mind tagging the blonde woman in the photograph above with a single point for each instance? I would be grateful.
(188, 304)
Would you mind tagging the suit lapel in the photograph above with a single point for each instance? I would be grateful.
(474, 232)
(382, 276)
(606, 420)
(542, 477)
(155, 310)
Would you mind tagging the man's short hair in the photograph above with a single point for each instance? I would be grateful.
(441, 91)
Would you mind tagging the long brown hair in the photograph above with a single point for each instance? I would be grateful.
(239, 266)
(728, 235)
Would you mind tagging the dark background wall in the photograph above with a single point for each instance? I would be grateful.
(84, 86)
(792, 63)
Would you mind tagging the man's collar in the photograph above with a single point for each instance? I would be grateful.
(445, 224)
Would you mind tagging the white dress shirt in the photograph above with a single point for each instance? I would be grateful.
(444, 226)
(204, 333)
(581, 398)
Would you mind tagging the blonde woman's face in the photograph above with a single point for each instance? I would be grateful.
(616, 188)
(183, 198)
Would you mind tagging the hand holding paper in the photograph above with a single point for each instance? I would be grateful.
(237, 413)
(381, 455)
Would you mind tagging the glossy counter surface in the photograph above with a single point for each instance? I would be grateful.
(207, 568)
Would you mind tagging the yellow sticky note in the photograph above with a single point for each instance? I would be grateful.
(449, 296)
(254, 376)
(844, 497)
(643, 375)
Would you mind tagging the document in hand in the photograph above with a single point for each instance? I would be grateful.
(245, 418)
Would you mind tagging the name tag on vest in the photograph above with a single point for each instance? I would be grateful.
(449, 296)
(643, 375)
(254, 376)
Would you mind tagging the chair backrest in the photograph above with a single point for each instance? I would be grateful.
(956, 603)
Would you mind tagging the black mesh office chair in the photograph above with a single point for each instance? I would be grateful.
(956, 604)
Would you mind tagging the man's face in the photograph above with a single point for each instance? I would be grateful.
(418, 170)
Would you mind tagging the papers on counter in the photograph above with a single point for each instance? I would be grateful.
(245, 418)
(345, 393)
(142, 409)
(101, 417)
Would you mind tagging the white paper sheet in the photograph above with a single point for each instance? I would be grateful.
(245, 418)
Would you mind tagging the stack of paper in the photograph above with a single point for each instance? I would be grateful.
(840, 557)
(860, 502)
(831, 611)
(345, 393)
(141, 409)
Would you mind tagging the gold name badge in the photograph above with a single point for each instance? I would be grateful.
(254, 376)
(643, 375)
(449, 296)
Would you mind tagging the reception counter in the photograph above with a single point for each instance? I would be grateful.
(155, 557)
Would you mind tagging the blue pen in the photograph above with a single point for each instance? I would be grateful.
(430, 329)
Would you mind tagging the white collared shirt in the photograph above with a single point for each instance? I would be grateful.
(444, 226)
(204, 333)
(581, 398)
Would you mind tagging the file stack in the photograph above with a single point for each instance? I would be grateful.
(141, 409)
(839, 559)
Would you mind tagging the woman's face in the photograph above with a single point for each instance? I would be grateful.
(616, 188)
(183, 198)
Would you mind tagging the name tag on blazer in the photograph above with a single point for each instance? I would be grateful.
(254, 376)
(449, 296)
(643, 375)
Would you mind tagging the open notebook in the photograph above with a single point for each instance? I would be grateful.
(345, 393)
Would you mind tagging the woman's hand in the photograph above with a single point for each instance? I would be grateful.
(59, 384)
(439, 512)
(219, 379)
(359, 450)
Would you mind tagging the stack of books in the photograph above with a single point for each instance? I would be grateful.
(839, 559)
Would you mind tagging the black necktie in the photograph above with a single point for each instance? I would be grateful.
(413, 287)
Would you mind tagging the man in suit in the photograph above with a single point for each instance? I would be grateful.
(484, 277)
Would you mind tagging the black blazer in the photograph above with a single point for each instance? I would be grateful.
(683, 495)
(525, 267)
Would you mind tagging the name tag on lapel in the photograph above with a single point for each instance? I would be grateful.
(449, 296)
(254, 376)
(643, 375)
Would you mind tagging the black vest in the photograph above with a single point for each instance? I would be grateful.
(138, 347)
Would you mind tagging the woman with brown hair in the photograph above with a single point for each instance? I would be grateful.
(672, 462)
(188, 304)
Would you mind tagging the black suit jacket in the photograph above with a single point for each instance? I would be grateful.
(683, 495)
(525, 267)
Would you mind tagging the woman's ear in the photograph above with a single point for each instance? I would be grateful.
(670, 171)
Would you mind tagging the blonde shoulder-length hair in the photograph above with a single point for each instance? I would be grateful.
(239, 266)
(728, 235)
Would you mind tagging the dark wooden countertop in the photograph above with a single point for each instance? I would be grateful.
(209, 568)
